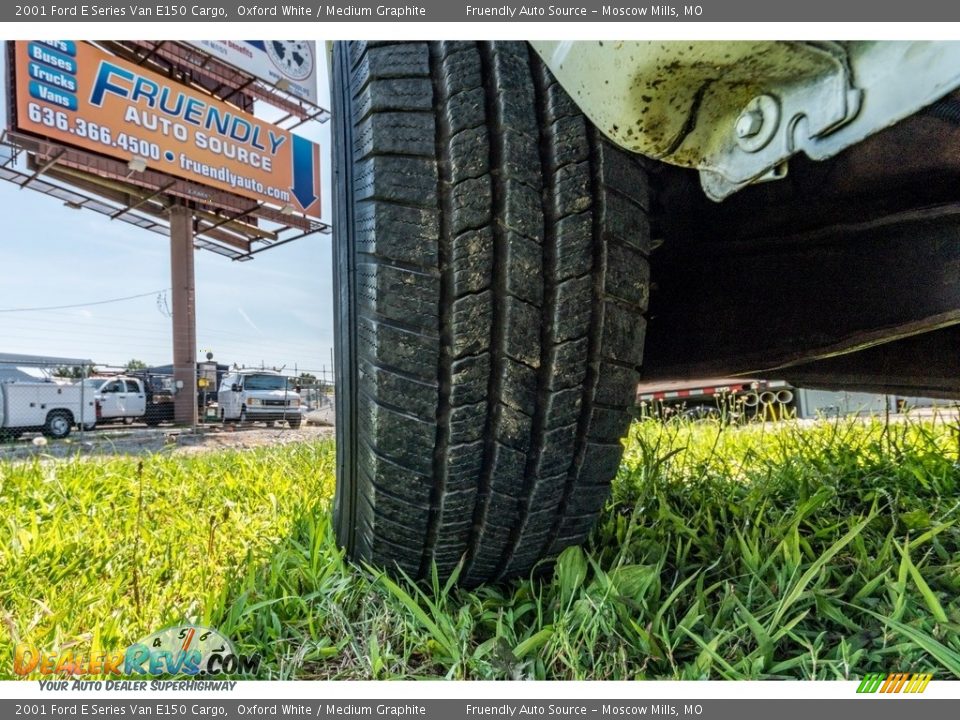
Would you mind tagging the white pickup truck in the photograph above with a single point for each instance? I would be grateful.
(46, 407)
(119, 398)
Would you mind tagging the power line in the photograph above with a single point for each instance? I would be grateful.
(148, 337)
(79, 305)
(156, 325)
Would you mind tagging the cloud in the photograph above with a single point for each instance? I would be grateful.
(250, 322)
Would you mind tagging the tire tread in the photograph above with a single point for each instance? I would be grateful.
(500, 285)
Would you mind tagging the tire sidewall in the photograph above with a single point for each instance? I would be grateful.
(433, 409)
(344, 502)
(58, 426)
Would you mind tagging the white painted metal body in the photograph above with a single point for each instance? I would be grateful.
(258, 395)
(28, 405)
(122, 397)
(738, 110)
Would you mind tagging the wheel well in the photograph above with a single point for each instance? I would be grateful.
(839, 259)
(61, 411)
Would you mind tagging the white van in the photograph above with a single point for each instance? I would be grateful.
(258, 395)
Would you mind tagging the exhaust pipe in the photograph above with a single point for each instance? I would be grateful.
(751, 400)
(767, 397)
(785, 397)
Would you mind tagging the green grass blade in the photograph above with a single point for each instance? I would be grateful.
(798, 588)
(950, 659)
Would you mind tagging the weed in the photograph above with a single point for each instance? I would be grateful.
(766, 551)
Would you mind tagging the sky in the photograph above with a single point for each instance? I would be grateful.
(275, 310)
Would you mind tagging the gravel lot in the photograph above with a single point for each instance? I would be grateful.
(174, 441)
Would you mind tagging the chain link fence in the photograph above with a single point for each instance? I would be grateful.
(284, 397)
(54, 398)
(44, 397)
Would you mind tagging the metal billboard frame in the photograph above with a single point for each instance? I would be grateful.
(224, 223)
(192, 215)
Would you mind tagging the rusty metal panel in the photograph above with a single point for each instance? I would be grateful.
(739, 110)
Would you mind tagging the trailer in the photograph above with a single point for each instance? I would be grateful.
(737, 399)
(731, 398)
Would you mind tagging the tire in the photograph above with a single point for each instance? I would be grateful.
(492, 284)
(158, 414)
(58, 425)
(294, 424)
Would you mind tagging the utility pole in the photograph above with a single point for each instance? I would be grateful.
(183, 282)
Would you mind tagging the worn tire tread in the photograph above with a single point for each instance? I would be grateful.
(499, 285)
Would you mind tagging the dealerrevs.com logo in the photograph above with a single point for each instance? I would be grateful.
(191, 650)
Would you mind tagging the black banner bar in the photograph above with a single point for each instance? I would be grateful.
(484, 11)
(875, 707)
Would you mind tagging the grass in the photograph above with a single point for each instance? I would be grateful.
(762, 551)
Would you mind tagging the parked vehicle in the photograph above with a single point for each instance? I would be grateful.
(731, 399)
(209, 378)
(258, 395)
(139, 397)
(46, 407)
(735, 399)
(119, 398)
(500, 209)
(160, 391)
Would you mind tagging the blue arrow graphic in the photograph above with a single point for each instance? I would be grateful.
(303, 174)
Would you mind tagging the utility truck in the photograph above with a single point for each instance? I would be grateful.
(48, 407)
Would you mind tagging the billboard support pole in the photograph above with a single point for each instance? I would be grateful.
(183, 286)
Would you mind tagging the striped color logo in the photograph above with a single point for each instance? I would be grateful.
(894, 683)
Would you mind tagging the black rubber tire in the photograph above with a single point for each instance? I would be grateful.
(492, 277)
(157, 414)
(59, 424)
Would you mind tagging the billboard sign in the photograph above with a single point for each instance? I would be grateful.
(289, 64)
(75, 93)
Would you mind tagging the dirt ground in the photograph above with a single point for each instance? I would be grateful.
(178, 441)
(174, 441)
